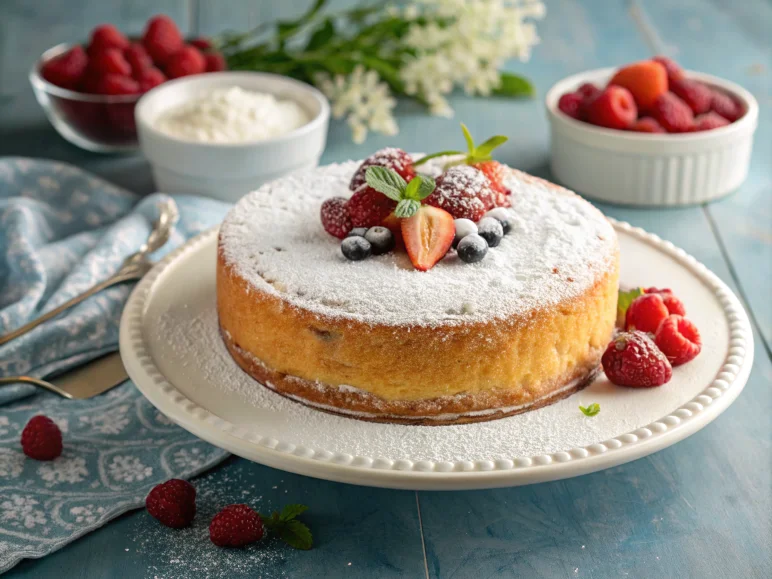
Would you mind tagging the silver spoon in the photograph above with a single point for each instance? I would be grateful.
(134, 267)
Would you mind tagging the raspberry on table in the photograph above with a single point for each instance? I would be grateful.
(391, 158)
(614, 108)
(672, 303)
(236, 526)
(571, 104)
(109, 61)
(335, 217)
(186, 61)
(645, 313)
(172, 503)
(678, 339)
(41, 438)
(464, 192)
(368, 208)
(673, 113)
(632, 359)
(647, 125)
(726, 106)
(709, 121)
(694, 93)
(161, 39)
(674, 71)
(646, 81)
(106, 36)
(66, 70)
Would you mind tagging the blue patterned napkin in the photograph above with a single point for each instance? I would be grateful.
(62, 230)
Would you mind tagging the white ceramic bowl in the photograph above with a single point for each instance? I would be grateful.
(228, 171)
(650, 169)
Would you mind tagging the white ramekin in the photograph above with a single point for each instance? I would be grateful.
(650, 169)
(228, 171)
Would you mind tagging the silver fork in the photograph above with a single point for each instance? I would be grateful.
(134, 267)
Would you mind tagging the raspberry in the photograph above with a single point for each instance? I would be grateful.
(41, 439)
(674, 71)
(678, 339)
(335, 218)
(464, 192)
(726, 106)
(614, 108)
(215, 62)
(203, 44)
(109, 61)
(368, 208)
(66, 70)
(695, 94)
(647, 125)
(136, 55)
(149, 78)
(391, 158)
(236, 526)
(646, 313)
(672, 303)
(116, 84)
(496, 172)
(673, 114)
(632, 359)
(104, 37)
(571, 104)
(646, 81)
(172, 503)
(186, 61)
(588, 91)
(161, 39)
(709, 121)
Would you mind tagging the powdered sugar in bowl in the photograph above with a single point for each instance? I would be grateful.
(224, 134)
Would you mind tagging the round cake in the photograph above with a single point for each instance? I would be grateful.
(379, 340)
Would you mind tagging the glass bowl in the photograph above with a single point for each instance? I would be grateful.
(99, 123)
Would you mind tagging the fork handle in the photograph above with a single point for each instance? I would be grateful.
(34, 381)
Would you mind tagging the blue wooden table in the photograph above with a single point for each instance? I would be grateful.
(700, 509)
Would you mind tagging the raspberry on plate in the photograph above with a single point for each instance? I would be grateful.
(614, 108)
(109, 61)
(726, 106)
(172, 503)
(215, 62)
(695, 94)
(236, 526)
(646, 313)
(41, 438)
(161, 39)
(104, 37)
(632, 359)
(116, 84)
(391, 158)
(136, 55)
(66, 70)
(674, 71)
(149, 78)
(571, 104)
(428, 236)
(646, 81)
(335, 218)
(672, 303)
(673, 113)
(186, 61)
(647, 125)
(678, 339)
(709, 121)
(368, 208)
(464, 192)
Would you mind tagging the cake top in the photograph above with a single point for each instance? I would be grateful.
(558, 247)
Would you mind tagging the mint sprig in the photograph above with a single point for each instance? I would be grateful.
(625, 299)
(474, 153)
(286, 526)
(407, 195)
(590, 410)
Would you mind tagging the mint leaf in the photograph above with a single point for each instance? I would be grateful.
(483, 152)
(291, 511)
(468, 137)
(406, 208)
(295, 534)
(625, 299)
(411, 191)
(425, 158)
(425, 187)
(386, 181)
(512, 85)
(590, 410)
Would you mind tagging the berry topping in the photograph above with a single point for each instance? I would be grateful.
(136, 55)
(335, 218)
(646, 81)
(356, 248)
(357, 232)
(678, 339)
(726, 106)
(647, 125)
(614, 108)
(162, 39)
(428, 235)
(672, 303)
(186, 61)
(391, 158)
(709, 121)
(368, 208)
(462, 191)
(172, 503)
(381, 239)
(215, 62)
(645, 313)
(673, 114)
(571, 104)
(503, 216)
(490, 229)
(149, 78)
(674, 71)
(41, 439)
(66, 70)
(496, 173)
(695, 94)
(463, 228)
(104, 37)
(632, 359)
(236, 526)
(472, 248)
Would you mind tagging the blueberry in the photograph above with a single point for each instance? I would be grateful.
(355, 248)
(503, 216)
(357, 232)
(491, 230)
(464, 227)
(472, 248)
(381, 238)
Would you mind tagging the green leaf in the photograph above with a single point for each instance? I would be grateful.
(407, 208)
(425, 158)
(291, 511)
(513, 85)
(625, 299)
(411, 191)
(386, 181)
(590, 410)
(483, 152)
(295, 534)
(321, 35)
(469, 139)
(426, 187)
(287, 28)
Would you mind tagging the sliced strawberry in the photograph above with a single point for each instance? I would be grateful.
(428, 236)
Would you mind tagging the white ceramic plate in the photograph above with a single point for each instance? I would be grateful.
(173, 353)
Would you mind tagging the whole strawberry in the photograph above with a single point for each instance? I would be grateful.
(149, 78)
(161, 39)
(632, 359)
(215, 62)
(41, 438)
(391, 158)
(172, 503)
(136, 55)
(66, 70)
(368, 208)
(678, 339)
(645, 313)
(109, 61)
(186, 61)
(104, 37)
(464, 192)
(236, 526)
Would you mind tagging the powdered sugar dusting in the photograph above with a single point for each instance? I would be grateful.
(558, 247)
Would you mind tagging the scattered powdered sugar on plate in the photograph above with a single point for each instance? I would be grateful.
(274, 238)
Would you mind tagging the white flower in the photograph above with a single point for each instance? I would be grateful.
(128, 469)
(63, 470)
(88, 514)
(112, 421)
(11, 463)
(19, 511)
